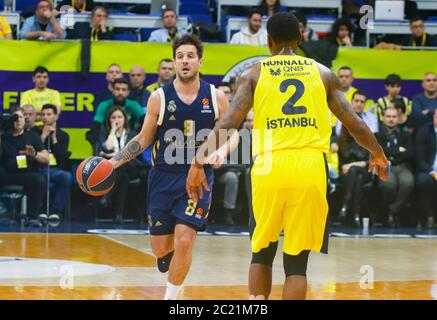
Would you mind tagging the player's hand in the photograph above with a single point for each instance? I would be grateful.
(379, 164)
(216, 159)
(196, 181)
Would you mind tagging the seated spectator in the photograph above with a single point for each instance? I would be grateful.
(353, 164)
(418, 37)
(398, 148)
(405, 123)
(166, 73)
(56, 142)
(358, 104)
(41, 95)
(341, 33)
(138, 91)
(346, 77)
(307, 33)
(426, 165)
(43, 25)
(30, 116)
(425, 103)
(253, 34)
(269, 7)
(79, 6)
(393, 86)
(21, 156)
(120, 93)
(96, 30)
(114, 72)
(332, 161)
(170, 31)
(5, 29)
(226, 88)
(115, 136)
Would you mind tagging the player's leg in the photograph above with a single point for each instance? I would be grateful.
(305, 221)
(295, 266)
(265, 227)
(183, 246)
(260, 272)
(162, 247)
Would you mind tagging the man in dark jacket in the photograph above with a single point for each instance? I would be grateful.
(398, 147)
(56, 141)
(21, 156)
(426, 163)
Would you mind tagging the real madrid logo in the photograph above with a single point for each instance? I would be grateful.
(171, 107)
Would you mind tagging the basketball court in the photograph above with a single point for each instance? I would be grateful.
(113, 266)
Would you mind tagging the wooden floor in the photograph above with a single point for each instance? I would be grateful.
(122, 267)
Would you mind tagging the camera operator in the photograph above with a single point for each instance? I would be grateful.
(22, 152)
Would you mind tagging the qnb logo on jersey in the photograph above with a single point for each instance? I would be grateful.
(280, 123)
(276, 72)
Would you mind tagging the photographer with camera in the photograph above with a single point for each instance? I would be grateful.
(22, 153)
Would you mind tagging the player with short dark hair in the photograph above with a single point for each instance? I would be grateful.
(291, 97)
(179, 117)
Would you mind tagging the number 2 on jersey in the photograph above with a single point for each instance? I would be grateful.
(289, 107)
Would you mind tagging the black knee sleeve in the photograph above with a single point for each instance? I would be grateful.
(296, 265)
(266, 255)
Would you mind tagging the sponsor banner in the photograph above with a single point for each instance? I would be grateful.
(221, 62)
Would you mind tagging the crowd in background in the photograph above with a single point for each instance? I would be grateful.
(406, 127)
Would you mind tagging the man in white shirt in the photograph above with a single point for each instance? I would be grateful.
(253, 34)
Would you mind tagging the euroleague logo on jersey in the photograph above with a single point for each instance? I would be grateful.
(206, 108)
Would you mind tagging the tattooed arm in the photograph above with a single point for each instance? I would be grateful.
(342, 109)
(144, 138)
(231, 120)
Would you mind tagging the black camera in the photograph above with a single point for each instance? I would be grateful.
(7, 120)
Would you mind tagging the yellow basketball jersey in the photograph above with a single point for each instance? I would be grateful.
(290, 106)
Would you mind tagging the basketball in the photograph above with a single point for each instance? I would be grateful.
(95, 176)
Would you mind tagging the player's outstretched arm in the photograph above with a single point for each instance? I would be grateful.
(342, 109)
(144, 138)
(231, 120)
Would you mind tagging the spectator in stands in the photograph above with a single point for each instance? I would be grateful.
(96, 30)
(393, 86)
(269, 7)
(398, 147)
(120, 93)
(346, 78)
(358, 104)
(405, 123)
(41, 95)
(22, 154)
(308, 34)
(5, 29)
(165, 74)
(43, 25)
(56, 141)
(170, 31)
(114, 72)
(425, 103)
(341, 33)
(253, 34)
(30, 116)
(138, 91)
(353, 164)
(426, 165)
(418, 37)
(226, 88)
(115, 136)
(79, 6)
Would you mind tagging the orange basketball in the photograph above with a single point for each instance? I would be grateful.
(95, 176)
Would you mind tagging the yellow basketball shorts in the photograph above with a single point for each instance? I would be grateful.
(289, 194)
